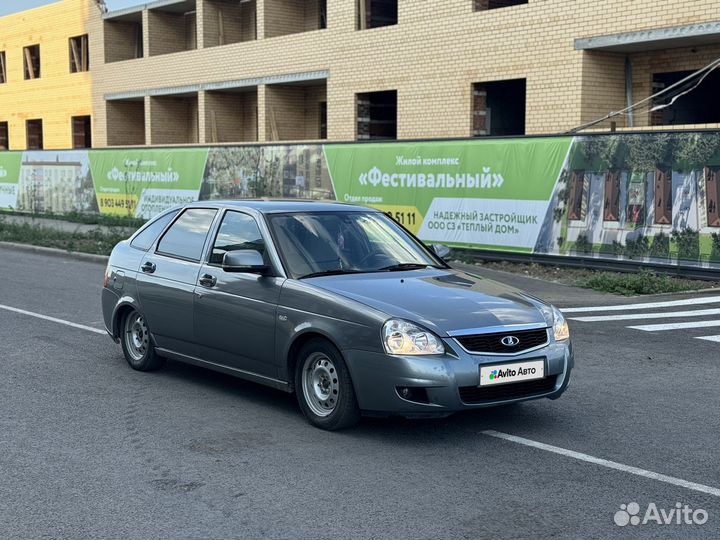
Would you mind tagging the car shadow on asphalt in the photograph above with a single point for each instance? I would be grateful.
(398, 429)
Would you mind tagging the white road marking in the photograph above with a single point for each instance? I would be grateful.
(650, 305)
(632, 316)
(675, 326)
(708, 490)
(53, 319)
(710, 338)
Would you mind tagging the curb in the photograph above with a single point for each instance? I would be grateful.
(608, 294)
(53, 252)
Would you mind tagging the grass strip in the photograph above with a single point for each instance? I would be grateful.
(95, 241)
(623, 283)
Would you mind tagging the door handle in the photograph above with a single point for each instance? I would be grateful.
(208, 281)
(148, 267)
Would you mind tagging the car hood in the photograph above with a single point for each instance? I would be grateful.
(443, 300)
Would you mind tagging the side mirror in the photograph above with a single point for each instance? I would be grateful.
(441, 251)
(246, 261)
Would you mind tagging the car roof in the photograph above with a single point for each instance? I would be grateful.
(274, 206)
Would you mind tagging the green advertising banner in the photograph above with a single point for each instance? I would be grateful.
(142, 183)
(475, 192)
(649, 197)
(10, 163)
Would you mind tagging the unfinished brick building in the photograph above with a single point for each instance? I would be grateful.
(247, 71)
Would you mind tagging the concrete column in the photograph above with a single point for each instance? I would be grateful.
(202, 117)
(342, 113)
(148, 120)
(262, 114)
(146, 33)
(200, 24)
(260, 7)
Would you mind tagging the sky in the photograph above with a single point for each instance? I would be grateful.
(13, 6)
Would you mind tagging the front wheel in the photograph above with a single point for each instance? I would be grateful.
(324, 388)
(137, 344)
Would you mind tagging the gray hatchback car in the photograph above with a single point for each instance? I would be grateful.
(334, 302)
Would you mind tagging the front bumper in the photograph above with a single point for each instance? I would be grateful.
(376, 376)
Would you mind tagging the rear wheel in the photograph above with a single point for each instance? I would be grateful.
(324, 388)
(137, 344)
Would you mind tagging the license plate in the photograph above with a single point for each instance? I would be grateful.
(510, 373)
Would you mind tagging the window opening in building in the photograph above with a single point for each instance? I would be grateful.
(3, 68)
(700, 106)
(499, 108)
(377, 115)
(31, 61)
(483, 5)
(79, 56)
(4, 136)
(82, 133)
(323, 119)
(376, 13)
(323, 13)
(34, 130)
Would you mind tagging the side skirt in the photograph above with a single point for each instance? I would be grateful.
(242, 374)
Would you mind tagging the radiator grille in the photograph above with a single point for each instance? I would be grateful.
(492, 343)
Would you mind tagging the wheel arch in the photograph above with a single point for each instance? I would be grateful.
(124, 305)
(297, 344)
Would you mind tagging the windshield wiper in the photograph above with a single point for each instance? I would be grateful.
(405, 266)
(334, 272)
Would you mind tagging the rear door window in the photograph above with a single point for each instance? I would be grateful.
(186, 237)
(146, 238)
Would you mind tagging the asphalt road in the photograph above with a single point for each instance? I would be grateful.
(89, 448)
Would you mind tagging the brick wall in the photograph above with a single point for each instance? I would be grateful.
(603, 87)
(283, 17)
(174, 120)
(230, 117)
(120, 40)
(127, 119)
(170, 32)
(432, 58)
(228, 21)
(296, 111)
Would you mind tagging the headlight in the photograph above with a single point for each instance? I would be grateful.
(403, 337)
(560, 325)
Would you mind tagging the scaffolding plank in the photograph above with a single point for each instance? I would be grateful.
(273, 126)
(76, 55)
(30, 63)
(221, 28)
(213, 127)
(362, 13)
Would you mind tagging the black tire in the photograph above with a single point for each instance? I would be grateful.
(340, 410)
(137, 343)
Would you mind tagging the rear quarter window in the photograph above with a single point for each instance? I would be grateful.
(147, 236)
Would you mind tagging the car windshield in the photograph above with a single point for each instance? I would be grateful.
(324, 243)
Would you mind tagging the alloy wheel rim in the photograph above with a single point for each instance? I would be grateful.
(320, 384)
(137, 337)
